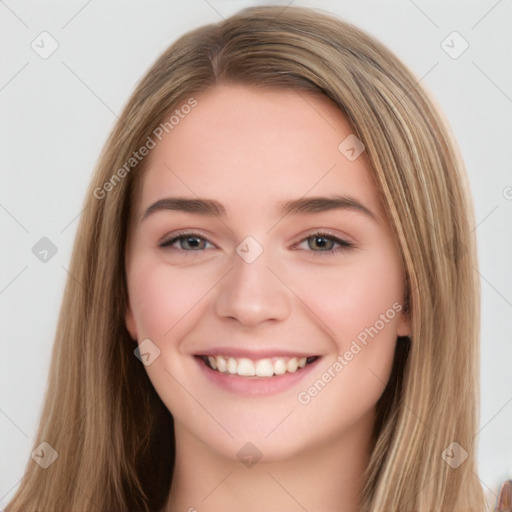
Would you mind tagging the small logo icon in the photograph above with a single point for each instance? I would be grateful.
(454, 45)
(351, 147)
(249, 455)
(44, 250)
(44, 45)
(249, 249)
(454, 455)
(45, 455)
(147, 352)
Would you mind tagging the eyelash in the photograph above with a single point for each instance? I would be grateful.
(343, 244)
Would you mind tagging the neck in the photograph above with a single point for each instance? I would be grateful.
(327, 477)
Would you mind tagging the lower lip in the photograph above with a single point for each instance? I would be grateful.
(255, 385)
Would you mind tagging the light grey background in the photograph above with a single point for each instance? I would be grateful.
(57, 112)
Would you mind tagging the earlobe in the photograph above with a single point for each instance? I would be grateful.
(403, 327)
(130, 323)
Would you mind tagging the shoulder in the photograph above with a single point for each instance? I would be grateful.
(504, 503)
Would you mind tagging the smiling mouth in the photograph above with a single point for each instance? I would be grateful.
(267, 367)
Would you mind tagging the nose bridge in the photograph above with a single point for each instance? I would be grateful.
(251, 293)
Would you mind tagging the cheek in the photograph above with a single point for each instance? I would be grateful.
(359, 310)
(349, 300)
(162, 297)
(165, 303)
(359, 306)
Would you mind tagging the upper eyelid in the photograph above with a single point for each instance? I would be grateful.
(175, 237)
(183, 233)
(341, 241)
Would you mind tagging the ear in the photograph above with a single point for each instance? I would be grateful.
(403, 327)
(131, 325)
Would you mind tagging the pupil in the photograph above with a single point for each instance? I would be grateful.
(321, 242)
(193, 242)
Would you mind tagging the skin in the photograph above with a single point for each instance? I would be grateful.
(251, 149)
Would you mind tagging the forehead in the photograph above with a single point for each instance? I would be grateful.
(250, 147)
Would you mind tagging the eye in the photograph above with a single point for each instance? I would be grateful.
(317, 243)
(186, 242)
(325, 243)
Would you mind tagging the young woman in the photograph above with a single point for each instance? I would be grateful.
(272, 303)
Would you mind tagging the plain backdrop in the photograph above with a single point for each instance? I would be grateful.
(56, 113)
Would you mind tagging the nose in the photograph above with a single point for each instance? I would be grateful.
(252, 294)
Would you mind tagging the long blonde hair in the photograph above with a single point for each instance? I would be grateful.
(114, 436)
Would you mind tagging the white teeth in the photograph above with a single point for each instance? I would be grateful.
(292, 365)
(246, 367)
(279, 367)
(262, 368)
(232, 365)
(221, 363)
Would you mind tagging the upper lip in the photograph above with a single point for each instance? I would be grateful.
(253, 354)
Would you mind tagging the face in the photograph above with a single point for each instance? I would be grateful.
(263, 277)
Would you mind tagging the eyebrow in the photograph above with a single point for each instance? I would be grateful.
(323, 204)
(207, 207)
(213, 208)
